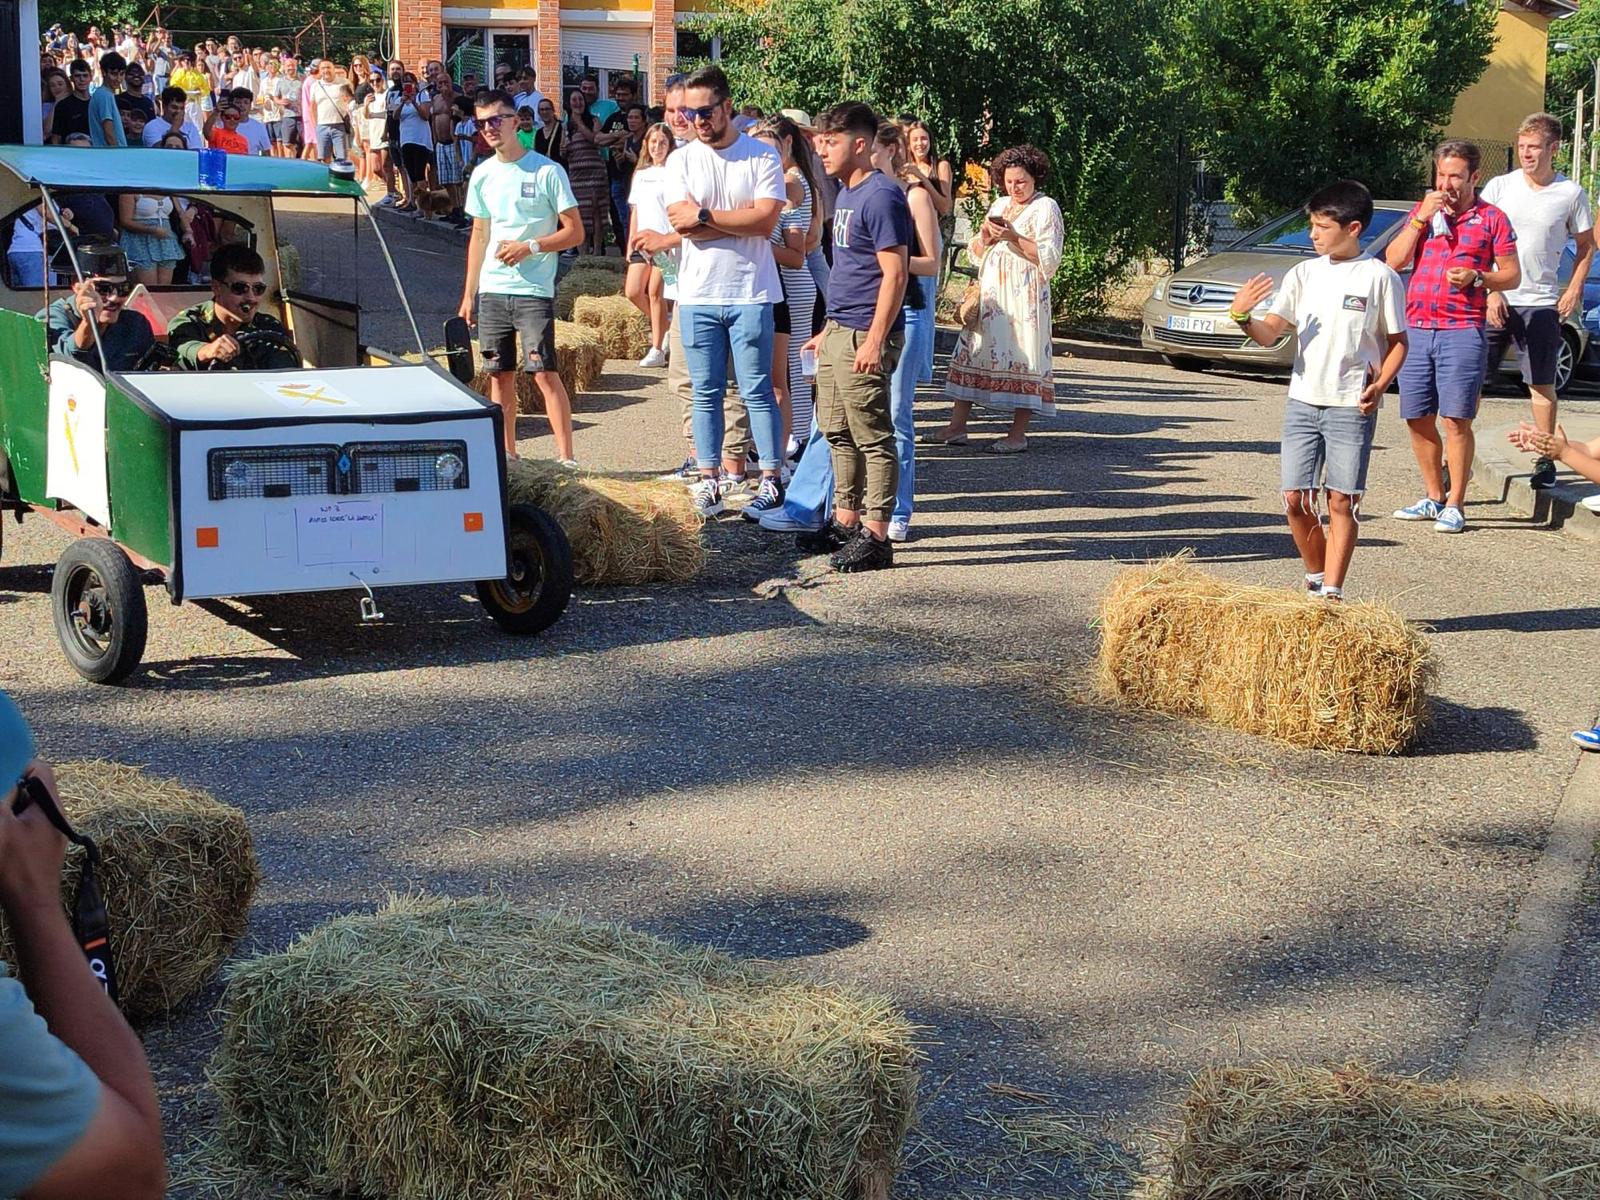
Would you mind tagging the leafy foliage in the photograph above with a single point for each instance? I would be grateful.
(1286, 94)
(353, 25)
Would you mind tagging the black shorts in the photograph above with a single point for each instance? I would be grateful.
(416, 160)
(1537, 333)
(501, 318)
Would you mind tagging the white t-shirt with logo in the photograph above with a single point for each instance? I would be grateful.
(728, 270)
(1343, 314)
(644, 196)
(1544, 218)
(255, 135)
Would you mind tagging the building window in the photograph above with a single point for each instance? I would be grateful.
(694, 46)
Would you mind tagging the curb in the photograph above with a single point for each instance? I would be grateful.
(1503, 474)
(427, 228)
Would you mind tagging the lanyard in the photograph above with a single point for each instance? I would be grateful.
(90, 923)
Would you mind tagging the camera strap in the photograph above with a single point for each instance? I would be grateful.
(91, 925)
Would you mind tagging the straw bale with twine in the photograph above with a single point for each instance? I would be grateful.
(623, 329)
(177, 875)
(621, 531)
(1280, 1130)
(477, 1048)
(1324, 676)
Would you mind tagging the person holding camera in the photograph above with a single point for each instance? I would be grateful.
(78, 1109)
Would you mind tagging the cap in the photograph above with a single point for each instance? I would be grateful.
(16, 744)
(103, 259)
(798, 115)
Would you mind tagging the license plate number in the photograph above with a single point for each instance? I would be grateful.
(1192, 324)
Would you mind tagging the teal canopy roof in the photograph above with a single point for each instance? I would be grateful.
(142, 170)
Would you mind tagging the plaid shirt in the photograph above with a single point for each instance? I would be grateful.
(1476, 238)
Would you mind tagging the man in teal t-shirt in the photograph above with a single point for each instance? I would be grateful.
(523, 214)
(105, 119)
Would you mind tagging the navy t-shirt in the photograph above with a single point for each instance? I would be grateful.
(870, 217)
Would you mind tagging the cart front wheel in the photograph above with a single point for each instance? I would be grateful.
(538, 584)
(97, 604)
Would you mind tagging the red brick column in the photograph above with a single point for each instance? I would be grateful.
(663, 46)
(547, 50)
(419, 32)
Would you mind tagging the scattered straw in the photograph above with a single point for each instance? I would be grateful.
(1279, 1129)
(623, 329)
(472, 1048)
(621, 531)
(584, 280)
(1349, 676)
(177, 874)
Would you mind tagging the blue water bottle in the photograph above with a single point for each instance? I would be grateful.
(213, 169)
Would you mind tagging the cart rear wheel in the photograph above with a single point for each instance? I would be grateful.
(97, 604)
(538, 583)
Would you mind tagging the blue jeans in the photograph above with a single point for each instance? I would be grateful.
(711, 333)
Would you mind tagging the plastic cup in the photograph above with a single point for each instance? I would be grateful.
(808, 362)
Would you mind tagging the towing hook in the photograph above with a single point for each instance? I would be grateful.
(369, 603)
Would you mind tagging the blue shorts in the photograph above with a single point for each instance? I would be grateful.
(1443, 373)
(1338, 437)
(331, 141)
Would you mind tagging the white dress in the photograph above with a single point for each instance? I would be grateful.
(1005, 362)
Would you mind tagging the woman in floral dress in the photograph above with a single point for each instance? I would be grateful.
(1005, 362)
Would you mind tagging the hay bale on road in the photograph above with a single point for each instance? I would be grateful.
(580, 358)
(584, 281)
(1264, 660)
(623, 329)
(621, 531)
(1280, 1130)
(474, 1048)
(177, 874)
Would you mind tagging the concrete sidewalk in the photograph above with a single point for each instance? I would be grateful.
(1502, 471)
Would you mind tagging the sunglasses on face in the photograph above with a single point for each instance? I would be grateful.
(108, 289)
(701, 114)
(240, 288)
(495, 122)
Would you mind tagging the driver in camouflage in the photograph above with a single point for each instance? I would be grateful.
(214, 334)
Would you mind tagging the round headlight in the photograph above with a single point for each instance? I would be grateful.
(239, 474)
(448, 467)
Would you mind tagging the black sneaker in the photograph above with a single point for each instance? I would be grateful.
(1544, 473)
(768, 497)
(864, 553)
(828, 539)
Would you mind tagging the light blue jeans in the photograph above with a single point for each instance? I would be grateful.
(712, 333)
(809, 496)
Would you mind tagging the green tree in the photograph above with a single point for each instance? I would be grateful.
(1282, 95)
(1080, 79)
(353, 25)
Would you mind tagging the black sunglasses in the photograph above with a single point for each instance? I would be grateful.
(704, 113)
(240, 288)
(109, 289)
(496, 121)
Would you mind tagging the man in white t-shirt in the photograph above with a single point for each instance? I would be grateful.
(173, 116)
(526, 94)
(1547, 210)
(523, 215)
(725, 192)
(256, 135)
(1349, 311)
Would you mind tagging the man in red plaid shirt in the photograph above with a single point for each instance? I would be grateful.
(1458, 249)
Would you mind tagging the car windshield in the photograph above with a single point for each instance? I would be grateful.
(1292, 234)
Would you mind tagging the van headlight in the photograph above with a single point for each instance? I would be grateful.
(238, 475)
(1161, 288)
(448, 468)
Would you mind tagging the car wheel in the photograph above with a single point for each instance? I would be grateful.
(1566, 360)
(538, 582)
(1185, 362)
(97, 606)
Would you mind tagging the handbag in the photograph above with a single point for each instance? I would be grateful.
(969, 312)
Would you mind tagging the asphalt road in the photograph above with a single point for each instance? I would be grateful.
(902, 780)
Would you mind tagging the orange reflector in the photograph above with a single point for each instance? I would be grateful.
(205, 537)
(472, 522)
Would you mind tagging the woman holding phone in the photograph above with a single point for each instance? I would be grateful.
(1005, 362)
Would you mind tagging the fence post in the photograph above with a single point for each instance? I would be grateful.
(1180, 206)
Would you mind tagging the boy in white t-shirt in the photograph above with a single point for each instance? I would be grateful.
(1349, 311)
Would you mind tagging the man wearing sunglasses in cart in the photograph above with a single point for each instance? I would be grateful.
(98, 300)
(205, 336)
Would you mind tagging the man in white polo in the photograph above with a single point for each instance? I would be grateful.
(1547, 210)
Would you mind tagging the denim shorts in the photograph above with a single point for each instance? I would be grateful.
(1443, 373)
(502, 317)
(1537, 333)
(332, 141)
(1333, 436)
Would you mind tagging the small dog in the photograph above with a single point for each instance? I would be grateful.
(434, 202)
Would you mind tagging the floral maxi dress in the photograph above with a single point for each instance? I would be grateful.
(1005, 362)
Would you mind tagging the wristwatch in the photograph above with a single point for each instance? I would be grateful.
(533, 245)
(705, 216)
(1477, 279)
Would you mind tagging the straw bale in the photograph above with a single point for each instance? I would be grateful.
(602, 262)
(474, 1048)
(622, 531)
(1279, 1130)
(623, 329)
(177, 874)
(1350, 676)
(580, 358)
(584, 281)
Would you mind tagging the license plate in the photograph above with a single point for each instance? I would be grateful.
(1192, 324)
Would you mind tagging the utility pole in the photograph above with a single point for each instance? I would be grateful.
(1594, 131)
(1577, 139)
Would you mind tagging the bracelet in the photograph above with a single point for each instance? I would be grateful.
(1418, 223)
(1239, 318)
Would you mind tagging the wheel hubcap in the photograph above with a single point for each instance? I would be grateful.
(89, 611)
(524, 582)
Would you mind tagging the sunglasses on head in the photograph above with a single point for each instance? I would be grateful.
(704, 113)
(108, 288)
(240, 288)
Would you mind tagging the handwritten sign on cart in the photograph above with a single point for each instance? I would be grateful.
(350, 531)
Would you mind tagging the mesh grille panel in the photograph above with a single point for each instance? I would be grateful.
(255, 472)
(403, 466)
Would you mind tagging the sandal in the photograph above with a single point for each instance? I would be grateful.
(1004, 447)
(933, 439)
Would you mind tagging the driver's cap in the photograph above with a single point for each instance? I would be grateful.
(16, 744)
(102, 259)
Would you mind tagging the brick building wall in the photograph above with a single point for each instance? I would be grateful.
(417, 31)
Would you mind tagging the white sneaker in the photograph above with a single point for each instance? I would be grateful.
(707, 497)
(654, 358)
(1592, 503)
(899, 530)
(570, 464)
(737, 487)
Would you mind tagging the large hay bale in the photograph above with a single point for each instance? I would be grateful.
(621, 531)
(624, 330)
(580, 358)
(177, 874)
(473, 1048)
(1279, 1130)
(1265, 660)
(584, 281)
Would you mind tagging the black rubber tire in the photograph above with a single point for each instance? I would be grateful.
(535, 593)
(1566, 361)
(1187, 362)
(97, 606)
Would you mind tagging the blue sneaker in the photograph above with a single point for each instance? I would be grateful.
(1451, 520)
(1589, 739)
(1426, 509)
(786, 520)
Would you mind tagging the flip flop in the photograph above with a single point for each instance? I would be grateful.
(933, 439)
(1004, 447)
